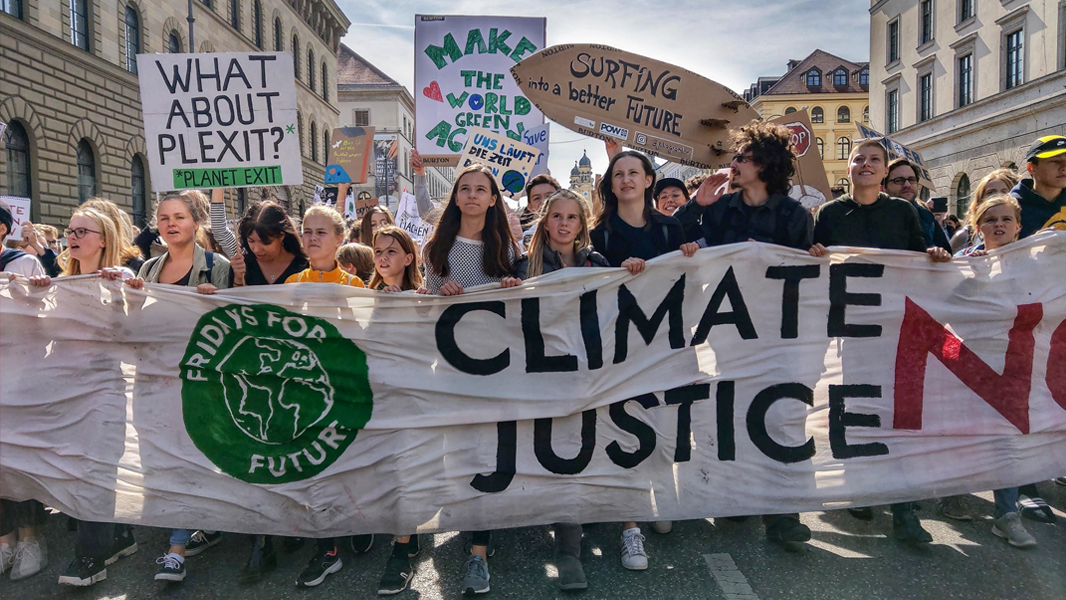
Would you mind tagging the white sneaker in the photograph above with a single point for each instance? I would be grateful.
(633, 556)
(7, 556)
(29, 559)
(662, 526)
(1010, 528)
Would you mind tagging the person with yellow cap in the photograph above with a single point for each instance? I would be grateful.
(1043, 197)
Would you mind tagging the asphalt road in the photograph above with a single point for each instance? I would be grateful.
(714, 560)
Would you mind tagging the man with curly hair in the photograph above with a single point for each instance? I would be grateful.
(760, 210)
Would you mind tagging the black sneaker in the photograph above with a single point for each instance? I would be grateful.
(397, 574)
(361, 544)
(173, 568)
(124, 545)
(321, 565)
(412, 546)
(864, 513)
(907, 528)
(201, 541)
(84, 571)
(262, 559)
(788, 529)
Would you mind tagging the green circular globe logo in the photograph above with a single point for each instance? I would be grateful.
(271, 396)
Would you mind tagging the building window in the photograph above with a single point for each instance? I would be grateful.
(325, 146)
(313, 141)
(821, 147)
(814, 78)
(278, 43)
(844, 115)
(311, 69)
(1014, 59)
(892, 111)
(866, 114)
(325, 82)
(925, 97)
(817, 115)
(864, 78)
(965, 10)
(845, 184)
(361, 117)
(296, 56)
(133, 38)
(240, 201)
(12, 7)
(893, 41)
(173, 43)
(840, 78)
(18, 160)
(925, 18)
(235, 14)
(79, 23)
(137, 191)
(257, 24)
(965, 74)
(86, 171)
(790, 110)
(206, 3)
(962, 196)
(843, 148)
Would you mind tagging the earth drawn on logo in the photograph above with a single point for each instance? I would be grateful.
(272, 396)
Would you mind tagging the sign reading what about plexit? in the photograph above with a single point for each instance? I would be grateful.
(511, 162)
(461, 80)
(349, 154)
(639, 102)
(220, 120)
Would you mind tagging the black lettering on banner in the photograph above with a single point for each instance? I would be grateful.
(202, 74)
(449, 349)
(506, 454)
(262, 59)
(725, 397)
(738, 316)
(204, 147)
(536, 361)
(757, 422)
(683, 397)
(792, 276)
(840, 419)
(630, 312)
(164, 148)
(542, 445)
(840, 299)
(642, 431)
(590, 330)
(228, 145)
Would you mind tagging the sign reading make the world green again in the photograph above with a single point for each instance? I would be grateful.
(220, 120)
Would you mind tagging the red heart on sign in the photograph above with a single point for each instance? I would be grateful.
(433, 92)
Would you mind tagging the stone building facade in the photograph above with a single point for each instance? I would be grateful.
(70, 96)
(969, 84)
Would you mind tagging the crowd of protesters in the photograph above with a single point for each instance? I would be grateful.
(478, 240)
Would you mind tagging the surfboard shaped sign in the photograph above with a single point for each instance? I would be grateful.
(639, 102)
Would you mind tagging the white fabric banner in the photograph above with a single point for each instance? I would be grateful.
(750, 379)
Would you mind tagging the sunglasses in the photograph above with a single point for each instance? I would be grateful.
(78, 233)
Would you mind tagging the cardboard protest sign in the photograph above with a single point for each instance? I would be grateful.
(325, 195)
(511, 162)
(810, 186)
(639, 102)
(349, 153)
(538, 138)
(461, 80)
(386, 150)
(220, 120)
(20, 213)
(357, 206)
(898, 150)
(408, 219)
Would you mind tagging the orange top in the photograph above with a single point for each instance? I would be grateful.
(337, 275)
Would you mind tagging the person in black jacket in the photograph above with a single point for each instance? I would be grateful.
(628, 229)
(902, 182)
(760, 210)
(1043, 198)
(870, 218)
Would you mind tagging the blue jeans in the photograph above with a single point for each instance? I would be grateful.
(180, 537)
(1006, 501)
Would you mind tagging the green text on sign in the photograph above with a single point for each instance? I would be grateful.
(241, 176)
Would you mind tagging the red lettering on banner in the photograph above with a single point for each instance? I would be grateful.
(921, 335)
(1056, 366)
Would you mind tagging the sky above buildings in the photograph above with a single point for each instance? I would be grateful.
(732, 42)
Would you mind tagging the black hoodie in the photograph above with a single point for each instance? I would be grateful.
(889, 223)
(1037, 212)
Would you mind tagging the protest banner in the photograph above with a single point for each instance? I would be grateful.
(750, 379)
(220, 120)
(386, 151)
(20, 213)
(408, 219)
(511, 161)
(461, 80)
(639, 102)
(538, 138)
(898, 150)
(349, 153)
(810, 186)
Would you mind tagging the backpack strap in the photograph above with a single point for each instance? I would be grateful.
(8, 255)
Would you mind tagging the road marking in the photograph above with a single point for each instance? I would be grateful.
(729, 578)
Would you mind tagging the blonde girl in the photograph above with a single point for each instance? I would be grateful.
(322, 235)
(1000, 181)
(131, 254)
(999, 221)
(395, 261)
(561, 238)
